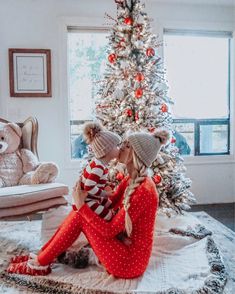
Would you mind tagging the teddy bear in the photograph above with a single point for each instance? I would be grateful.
(20, 166)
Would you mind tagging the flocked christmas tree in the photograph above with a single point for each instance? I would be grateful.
(133, 96)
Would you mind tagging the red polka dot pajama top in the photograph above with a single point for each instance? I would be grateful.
(119, 259)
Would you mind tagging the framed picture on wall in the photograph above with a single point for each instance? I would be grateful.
(30, 72)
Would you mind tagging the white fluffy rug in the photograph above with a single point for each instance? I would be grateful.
(185, 260)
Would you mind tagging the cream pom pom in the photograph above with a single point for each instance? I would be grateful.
(163, 136)
(91, 129)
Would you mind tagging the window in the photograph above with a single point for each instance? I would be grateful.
(86, 65)
(198, 73)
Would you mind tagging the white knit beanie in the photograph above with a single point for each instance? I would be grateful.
(147, 146)
(100, 140)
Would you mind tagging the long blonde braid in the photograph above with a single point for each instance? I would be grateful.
(141, 174)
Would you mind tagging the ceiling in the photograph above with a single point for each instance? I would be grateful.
(200, 2)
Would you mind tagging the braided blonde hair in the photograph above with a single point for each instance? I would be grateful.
(141, 174)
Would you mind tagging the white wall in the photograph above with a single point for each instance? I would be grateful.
(37, 24)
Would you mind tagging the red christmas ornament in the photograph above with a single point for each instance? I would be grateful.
(152, 129)
(112, 57)
(164, 108)
(136, 116)
(120, 176)
(173, 140)
(139, 77)
(138, 93)
(150, 52)
(128, 21)
(157, 179)
(128, 112)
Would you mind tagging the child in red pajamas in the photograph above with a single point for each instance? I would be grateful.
(104, 145)
(137, 200)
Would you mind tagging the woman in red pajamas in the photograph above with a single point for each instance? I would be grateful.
(137, 200)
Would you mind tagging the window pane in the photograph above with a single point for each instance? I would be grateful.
(184, 135)
(197, 72)
(213, 138)
(86, 64)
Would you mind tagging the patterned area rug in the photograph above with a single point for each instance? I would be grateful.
(225, 240)
(185, 260)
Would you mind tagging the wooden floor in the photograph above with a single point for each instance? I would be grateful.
(225, 213)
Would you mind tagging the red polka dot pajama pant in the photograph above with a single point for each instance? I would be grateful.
(119, 259)
(110, 251)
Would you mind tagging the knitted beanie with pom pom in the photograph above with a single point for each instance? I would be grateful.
(147, 146)
(100, 140)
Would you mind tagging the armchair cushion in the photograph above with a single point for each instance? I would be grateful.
(33, 207)
(26, 194)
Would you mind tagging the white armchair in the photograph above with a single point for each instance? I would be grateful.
(26, 200)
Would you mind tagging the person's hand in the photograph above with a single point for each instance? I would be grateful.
(124, 239)
(108, 189)
(127, 241)
(78, 183)
(79, 195)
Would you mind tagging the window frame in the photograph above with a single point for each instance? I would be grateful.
(64, 22)
(199, 122)
(212, 121)
(72, 122)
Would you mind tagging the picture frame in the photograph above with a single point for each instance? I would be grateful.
(30, 72)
